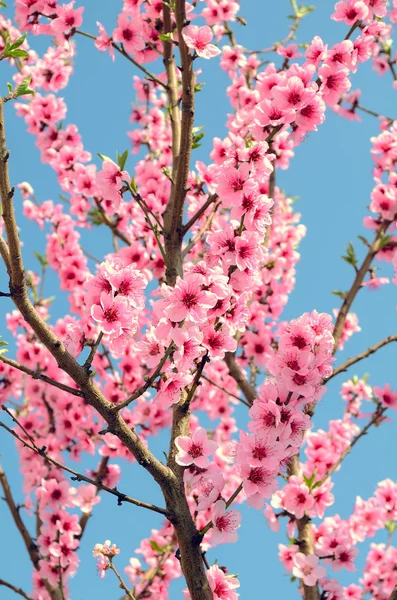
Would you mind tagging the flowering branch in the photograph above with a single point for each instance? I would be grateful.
(98, 479)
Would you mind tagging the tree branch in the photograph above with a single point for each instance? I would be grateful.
(371, 350)
(40, 376)
(146, 385)
(380, 410)
(65, 361)
(15, 589)
(362, 271)
(210, 200)
(237, 374)
(121, 50)
(80, 477)
(29, 543)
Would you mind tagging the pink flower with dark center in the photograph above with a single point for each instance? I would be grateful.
(198, 39)
(129, 32)
(112, 313)
(195, 449)
(188, 299)
(103, 42)
(218, 342)
(307, 569)
(222, 586)
(225, 523)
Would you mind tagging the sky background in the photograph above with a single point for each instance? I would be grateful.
(331, 174)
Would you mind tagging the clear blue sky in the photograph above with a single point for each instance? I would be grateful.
(331, 174)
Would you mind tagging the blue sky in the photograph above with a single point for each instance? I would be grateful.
(331, 174)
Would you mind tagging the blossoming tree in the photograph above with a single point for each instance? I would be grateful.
(181, 322)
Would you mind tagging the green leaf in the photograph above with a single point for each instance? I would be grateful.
(363, 240)
(2, 349)
(9, 87)
(18, 42)
(197, 136)
(106, 158)
(95, 216)
(305, 10)
(198, 87)
(350, 256)
(122, 159)
(310, 480)
(338, 293)
(384, 241)
(17, 53)
(24, 88)
(156, 547)
(3, 4)
(391, 526)
(133, 186)
(166, 37)
(42, 259)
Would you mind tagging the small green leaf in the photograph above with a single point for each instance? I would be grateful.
(363, 240)
(2, 349)
(166, 37)
(42, 259)
(17, 53)
(391, 526)
(338, 293)
(18, 42)
(350, 256)
(9, 87)
(122, 159)
(305, 10)
(3, 4)
(154, 545)
(198, 87)
(105, 158)
(133, 186)
(24, 88)
(384, 241)
(95, 216)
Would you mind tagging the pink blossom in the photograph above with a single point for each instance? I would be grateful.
(188, 299)
(222, 586)
(225, 523)
(198, 39)
(129, 32)
(195, 450)
(307, 569)
(103, 42)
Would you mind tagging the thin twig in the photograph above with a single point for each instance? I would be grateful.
(15, 589)
(226, 391)
(122, 584)
(147, 384)
(80, 477)
(371, 350)
(237, 374)
(380, 410)
(40, 376)
(200, 212)
(127, 56)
